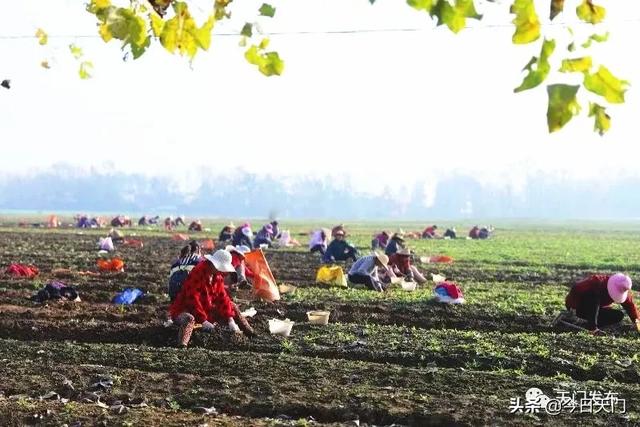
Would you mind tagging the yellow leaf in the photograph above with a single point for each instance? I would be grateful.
(75, 51)
(202, 35)
(268, 63)
(576, 65)
(181, 33)
(607, 85)
(85, 68)
(264, 43)
(602, 121)
(157, 24)
(589, 12)
(425, 5)
(105, 32)
(526, 21)
(42, 36)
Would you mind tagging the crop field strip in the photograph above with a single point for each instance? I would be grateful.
(386, 358)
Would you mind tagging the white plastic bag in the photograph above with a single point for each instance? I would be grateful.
(106, 244)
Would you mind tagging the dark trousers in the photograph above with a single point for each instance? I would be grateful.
(606, 316)
(319, 248)
(370, 282)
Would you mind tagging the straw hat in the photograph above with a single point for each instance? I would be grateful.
(398, 236)
(384, 260)
(404, 251)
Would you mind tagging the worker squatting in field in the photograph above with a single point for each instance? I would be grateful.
(591, 300)
(203, 299)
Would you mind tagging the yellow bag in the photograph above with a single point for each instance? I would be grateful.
(332, 276)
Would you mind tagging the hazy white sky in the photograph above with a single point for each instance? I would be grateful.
(402, 105)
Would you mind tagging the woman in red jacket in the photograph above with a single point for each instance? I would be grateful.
(203, 299)
(591, 300)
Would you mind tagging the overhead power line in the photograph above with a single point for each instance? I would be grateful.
(329, 32)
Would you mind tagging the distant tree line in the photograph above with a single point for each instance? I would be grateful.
(457, 196)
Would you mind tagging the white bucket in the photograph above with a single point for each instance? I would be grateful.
(280, 327)
(318, 317)
(408, 286)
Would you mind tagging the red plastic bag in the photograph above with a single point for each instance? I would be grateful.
(133, 243)
(20, 270)
(441, 258)
(264, 284)
(112, 265)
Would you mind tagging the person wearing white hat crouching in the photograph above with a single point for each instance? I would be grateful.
(203, 299)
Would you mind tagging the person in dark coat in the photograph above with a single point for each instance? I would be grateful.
(395, 244)
(340, 250)
(226, 234)
(450, 233)
(242, 236)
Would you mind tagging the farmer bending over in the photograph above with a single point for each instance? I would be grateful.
(340, 249)
(400, 264)
(319, 241)
(264, 236)
(237, 260)
(591, 300)
(203, 298)
(450, 233)
(365, 271)
(242, 236)
(430, 232)
(395, 244)
(195, 226)
(226, 233)
(275, 229)
(380, 241)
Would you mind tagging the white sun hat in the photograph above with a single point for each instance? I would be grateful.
(221, 260)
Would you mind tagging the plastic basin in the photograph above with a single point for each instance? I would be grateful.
(280, 327)
(286, 288)
(408, 286)
(318, 317)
